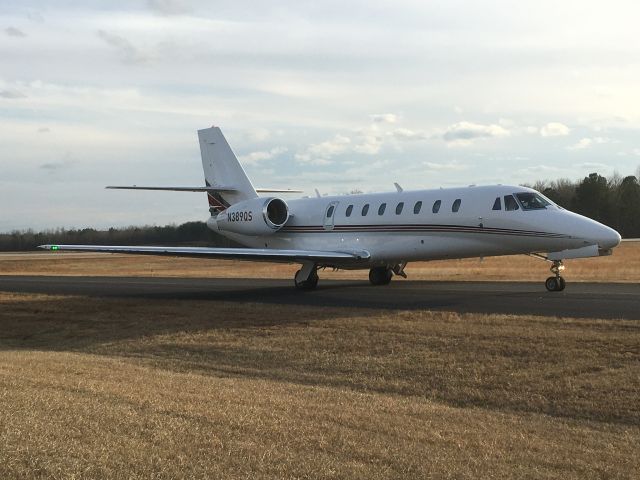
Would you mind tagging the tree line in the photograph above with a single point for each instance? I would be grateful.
(614, 201)
(190, 233)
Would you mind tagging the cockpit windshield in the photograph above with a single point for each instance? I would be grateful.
(532, 201)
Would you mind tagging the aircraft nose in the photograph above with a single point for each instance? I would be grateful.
(608, 237)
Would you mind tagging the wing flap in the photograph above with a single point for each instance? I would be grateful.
(255, 254)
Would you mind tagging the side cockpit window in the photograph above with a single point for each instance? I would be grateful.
(532, 201)
(510, 203)
(497, 205)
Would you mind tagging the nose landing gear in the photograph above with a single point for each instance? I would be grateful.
(555, 283)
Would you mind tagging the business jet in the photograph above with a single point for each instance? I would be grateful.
(380, 232)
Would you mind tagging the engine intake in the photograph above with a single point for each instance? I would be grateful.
(276, 213)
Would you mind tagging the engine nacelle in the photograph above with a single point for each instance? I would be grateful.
(259, 216)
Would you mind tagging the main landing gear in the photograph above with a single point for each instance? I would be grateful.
(555, 283)
(307, 277)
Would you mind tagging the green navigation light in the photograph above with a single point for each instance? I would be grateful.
(55, 247)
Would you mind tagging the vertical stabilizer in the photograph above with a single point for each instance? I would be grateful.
(222, 169)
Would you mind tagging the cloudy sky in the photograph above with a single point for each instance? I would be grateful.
(331, 95)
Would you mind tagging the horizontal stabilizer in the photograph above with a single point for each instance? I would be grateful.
(254, 254)
(174, 189)
(277, 190)
(201, 189)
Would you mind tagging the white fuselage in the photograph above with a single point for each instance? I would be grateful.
(393, 235)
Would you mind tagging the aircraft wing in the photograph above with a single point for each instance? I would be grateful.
(255, 254)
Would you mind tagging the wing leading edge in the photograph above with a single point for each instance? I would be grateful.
(255, 254)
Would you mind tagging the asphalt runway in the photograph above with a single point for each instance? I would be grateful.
(581, 300)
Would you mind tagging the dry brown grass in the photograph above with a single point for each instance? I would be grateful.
(138, 389)
(622, 266)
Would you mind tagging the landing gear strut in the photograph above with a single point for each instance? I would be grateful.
(555, 283)
(380, 275)
(307, 277)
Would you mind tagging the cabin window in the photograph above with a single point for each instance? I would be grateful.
(330, 211)
(510, 203)
(382, 208)
(417, 207)
(349, 210)
(399, 208)
(456, 205)
(497, 205)
(532, 201)
(365, 209)
(436, 206)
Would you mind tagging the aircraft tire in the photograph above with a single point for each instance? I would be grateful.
(562, 284)
(555, 284)
(380, 276)
(308, 284)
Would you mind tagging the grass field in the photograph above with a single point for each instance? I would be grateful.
(129, 388)
(622, 266)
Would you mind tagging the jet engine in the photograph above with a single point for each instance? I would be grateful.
(258, 216)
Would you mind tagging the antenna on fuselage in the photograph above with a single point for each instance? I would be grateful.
(318, 193)
(398, 187)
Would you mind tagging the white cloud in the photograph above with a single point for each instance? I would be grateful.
(554, 129)
(592, 165)
(256, 157)
(586, 142)
(463, 133)
(445, 167)
(384, 118)
(321, 153)
(258, 134)
(364, 141)
(368, 144)
(581, 145)
(537, 170)
(507, 123)
(404, 134)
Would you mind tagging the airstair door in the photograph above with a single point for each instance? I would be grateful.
(329, 215)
